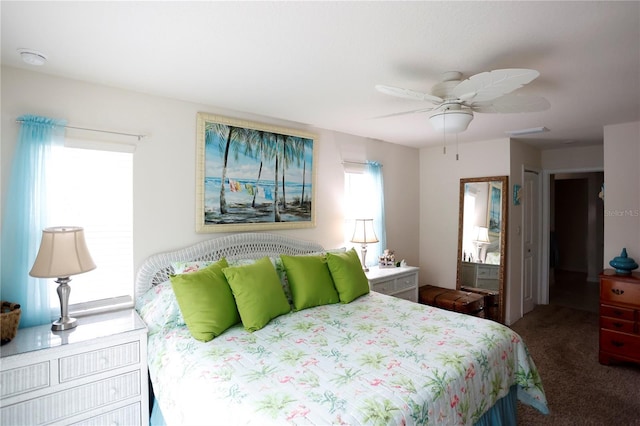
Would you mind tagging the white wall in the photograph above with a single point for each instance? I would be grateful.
(586, 158)
(164, 163)
(440, 190)
(622, 190)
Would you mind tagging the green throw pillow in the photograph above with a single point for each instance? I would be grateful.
(258, 293)
(348, 276)
(206, 301)
(310, 281)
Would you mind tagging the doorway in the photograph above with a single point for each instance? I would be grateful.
(576, 240)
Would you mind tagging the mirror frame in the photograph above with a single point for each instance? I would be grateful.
(504, 211)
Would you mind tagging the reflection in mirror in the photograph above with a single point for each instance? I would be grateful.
(482, 240)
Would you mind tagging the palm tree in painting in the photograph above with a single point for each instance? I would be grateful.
(289, 154)
(303, 144)
(279, 148)
(228, 138)
(257, 147)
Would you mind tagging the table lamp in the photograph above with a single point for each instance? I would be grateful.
(63, 252)
(482, 240)
(364, 234)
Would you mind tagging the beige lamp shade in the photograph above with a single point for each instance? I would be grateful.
(363, 232)
(63, 252)
(483, 235)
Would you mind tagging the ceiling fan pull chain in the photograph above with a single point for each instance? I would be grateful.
(456, 147)
(444, 134)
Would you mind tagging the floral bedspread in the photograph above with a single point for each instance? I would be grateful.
(379, 360)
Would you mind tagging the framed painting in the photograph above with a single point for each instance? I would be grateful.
(252, 176)
(494, 218)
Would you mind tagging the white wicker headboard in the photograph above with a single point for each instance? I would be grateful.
(157, 268)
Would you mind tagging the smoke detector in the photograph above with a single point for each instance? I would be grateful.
(32, 57)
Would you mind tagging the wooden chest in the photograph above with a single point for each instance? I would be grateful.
(619, 317)
(491, 301)
(453, 300)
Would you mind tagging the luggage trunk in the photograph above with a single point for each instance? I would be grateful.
(453, 300)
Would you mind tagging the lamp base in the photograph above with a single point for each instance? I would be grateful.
(363, 251)
(64, 324)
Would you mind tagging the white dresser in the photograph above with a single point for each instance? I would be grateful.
(481, 275)
(399, 282)
(93, 374)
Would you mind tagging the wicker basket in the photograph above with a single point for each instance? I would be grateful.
(10, 318)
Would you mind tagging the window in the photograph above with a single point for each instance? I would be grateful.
(364, 199)
(92, 186)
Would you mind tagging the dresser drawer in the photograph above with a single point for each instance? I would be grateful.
(489, 272)
(619, 291)
(93, 362)
(617, 312)
(129, 415)
(617, 325)
(619, 343)
(384, 287)
(406, 282)
(57, 406)
(24, 379)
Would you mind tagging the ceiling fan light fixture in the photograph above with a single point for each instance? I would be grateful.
(448, 121)
(32, 57)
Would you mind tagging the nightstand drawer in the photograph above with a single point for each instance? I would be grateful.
(129, 415)
(619, 292)
(617, 312)
(619, 343)
(57, 406)
(406, 282)
(24, 379)
(87, 363)
(384, 287)
(617, 325)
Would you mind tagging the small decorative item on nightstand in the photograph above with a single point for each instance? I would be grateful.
(387, 259)
(623, 264)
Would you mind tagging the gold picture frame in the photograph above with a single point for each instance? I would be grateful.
(252, 176)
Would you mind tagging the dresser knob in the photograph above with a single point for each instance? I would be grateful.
(617, 344)
(617, 324)
(617, 291)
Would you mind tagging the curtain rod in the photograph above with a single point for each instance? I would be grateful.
(98, 130)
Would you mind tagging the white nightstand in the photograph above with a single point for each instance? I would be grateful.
(399, 282)
(93, 374)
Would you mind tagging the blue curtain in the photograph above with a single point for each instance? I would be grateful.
(374, 170)
(25, 215)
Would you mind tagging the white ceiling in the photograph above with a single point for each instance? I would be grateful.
(317, 62)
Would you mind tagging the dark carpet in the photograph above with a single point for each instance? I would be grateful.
(580, 391)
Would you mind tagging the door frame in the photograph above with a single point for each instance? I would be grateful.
(543, 282)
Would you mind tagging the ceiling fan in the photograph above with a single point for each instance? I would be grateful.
(456, 100)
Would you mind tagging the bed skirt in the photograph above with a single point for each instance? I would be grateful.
(503, 413)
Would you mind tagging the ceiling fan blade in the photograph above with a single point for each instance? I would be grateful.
(408, 94)
(512, 104)
(415, 111)
(489, 85)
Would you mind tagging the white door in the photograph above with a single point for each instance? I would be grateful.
(530, 228)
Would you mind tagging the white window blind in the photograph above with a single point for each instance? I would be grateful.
(93, 188)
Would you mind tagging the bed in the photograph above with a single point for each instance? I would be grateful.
(376, 360)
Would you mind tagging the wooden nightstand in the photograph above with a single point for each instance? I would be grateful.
(95, 373)
(399, 282)
(619, 317)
